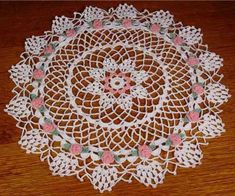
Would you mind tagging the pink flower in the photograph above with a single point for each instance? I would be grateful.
(144, 151)
(70, 33)
(107, 157)
(37, 103)
(178, 41)
(175, 139)
(127, 23)
(193, 116)
(48, 50)
(38, 74)
(48, 127)
(97, 24)
(155, 28)
(192, 61)
(198, 89)
(75, 149)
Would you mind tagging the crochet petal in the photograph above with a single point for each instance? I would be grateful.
(97, 74)
(107, 100)
(110, 65)
(139, 76)
(139, 91)
(95, 88)
(124, 101)
(104, 178)
(188, 154)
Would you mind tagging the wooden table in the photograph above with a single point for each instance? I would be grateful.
(23, 174)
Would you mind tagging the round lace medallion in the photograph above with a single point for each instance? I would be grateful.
(117, 95)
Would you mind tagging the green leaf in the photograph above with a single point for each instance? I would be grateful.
(54, 44)
(55, 132)
(171, 35)
(67, 146)
(42, 66)
(76, 28)
(162, 30)
(152, 146)
(46, 55)
(148, 25)
(33, 96)
(85, 149)
(90, 23)
(134, 152)
(105, 22)
(39, 80)
(135, 23)
(185, 119)
(195, 95)
(195, 67)
(118, 22)
(63, 35)
(42, 109)
(117, 158)
(200, 83)
(198, 110)
(182, 135)
(168, 142)
(100, 153)
(47, 120)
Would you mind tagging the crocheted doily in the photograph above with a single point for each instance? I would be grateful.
(117, 95)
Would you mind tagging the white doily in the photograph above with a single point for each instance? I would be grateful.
(117, 95)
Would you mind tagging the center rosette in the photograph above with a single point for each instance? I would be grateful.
(117, 83)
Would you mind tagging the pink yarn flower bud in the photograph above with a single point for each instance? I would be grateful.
(178, 41)
(107, 157)
(193, 116)
(75, 149)
(48, 50)
(175, 139)
(127, 23)
(97, 24)
(37, 103)
(70, 33)
(48, 127)
(38, 74)
(155, 28)
(144, 151)
(192, 61)
(198, 89)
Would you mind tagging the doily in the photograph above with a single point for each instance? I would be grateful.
(117, 95)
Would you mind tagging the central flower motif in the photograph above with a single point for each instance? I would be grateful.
(117, 83)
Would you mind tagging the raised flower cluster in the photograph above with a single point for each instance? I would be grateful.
(37, 102)
(193, 116)
(108, 157)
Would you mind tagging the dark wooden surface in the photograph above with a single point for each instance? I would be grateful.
(23, 174)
